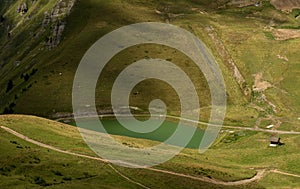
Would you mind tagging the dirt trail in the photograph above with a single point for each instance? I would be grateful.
(284, 173)
(264, 130)
(70, 153)
(240, 127)
(198, 122)
(260, 173)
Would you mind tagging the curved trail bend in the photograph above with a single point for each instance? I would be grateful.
(70, 153)
(260, 173)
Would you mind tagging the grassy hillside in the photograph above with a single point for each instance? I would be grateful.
(40, 79)
(255, 45)
(25, 164)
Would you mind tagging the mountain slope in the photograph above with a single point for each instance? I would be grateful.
(25, 164)
(37, 72)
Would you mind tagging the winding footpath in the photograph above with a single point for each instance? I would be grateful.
(192, 121)
(70, 153)
(259, 175)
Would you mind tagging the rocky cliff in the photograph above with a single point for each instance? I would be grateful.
(27, 27)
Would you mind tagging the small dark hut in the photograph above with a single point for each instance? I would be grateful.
(274, 141)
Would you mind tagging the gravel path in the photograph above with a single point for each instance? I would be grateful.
(259, 175)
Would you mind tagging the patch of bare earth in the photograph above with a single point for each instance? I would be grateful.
(259, 84)
(285, 34)
(286, 5)
(282, 57)
(242, 3)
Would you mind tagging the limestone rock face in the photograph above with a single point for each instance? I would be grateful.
(22, 8)
(47, 20)
(55, 39)
(56, 18)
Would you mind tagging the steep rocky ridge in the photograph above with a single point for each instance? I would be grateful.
(27, 26)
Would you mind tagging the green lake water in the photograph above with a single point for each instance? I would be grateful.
(112, 126)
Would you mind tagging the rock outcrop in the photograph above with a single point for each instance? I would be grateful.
(229, 62)
(56, 19)
(56, 36)
(22, 8)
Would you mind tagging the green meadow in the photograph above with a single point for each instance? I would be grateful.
(38, 80)
(235, 156)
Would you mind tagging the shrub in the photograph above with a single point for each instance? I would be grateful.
(67, 178)
(57, 173)
(39, 180)
(33, 71)
(1, 19)
(26, 77)
(10, 85)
